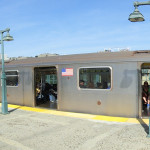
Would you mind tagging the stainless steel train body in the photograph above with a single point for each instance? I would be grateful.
(123, 98)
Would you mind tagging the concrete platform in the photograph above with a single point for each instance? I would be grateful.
(26, 128)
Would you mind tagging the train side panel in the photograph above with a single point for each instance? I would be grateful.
(23, 92)
(120, 100)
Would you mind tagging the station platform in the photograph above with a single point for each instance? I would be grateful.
(81, 115)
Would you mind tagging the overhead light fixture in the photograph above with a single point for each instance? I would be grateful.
(136, 16)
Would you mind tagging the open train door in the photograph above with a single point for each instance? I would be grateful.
(45, 87)
(145, 89)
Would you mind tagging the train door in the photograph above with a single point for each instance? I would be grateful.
(145, 74)
(46, 87)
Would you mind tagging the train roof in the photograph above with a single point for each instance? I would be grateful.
(142, 55)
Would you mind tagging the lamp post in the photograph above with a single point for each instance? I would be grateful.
(3, 76)
(136, 16)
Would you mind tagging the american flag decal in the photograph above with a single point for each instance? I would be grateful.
(67, 72)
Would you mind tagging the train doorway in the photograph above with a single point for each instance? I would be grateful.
(45, 87)
(145, 95)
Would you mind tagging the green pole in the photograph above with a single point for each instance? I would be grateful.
(3, 79)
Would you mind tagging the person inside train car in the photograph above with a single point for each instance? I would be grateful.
(46, 91)
(91, 85)
(38, 93)
(53, 93)
(37, 90)
(99, 85)
(105, 86)
(82, 84)
(108, 85)
(145, 94)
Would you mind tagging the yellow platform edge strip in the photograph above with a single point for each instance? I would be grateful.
(81, 115)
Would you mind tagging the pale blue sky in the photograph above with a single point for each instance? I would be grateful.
(72, 26)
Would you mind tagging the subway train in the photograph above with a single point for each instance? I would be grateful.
(102, 83)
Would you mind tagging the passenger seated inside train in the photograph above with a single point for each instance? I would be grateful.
(90, 85)
(145, 95)
(82, 84)
(53, 93)
(108, 85)
(38, 90)
(99, 85)
(46, 92)
(105, 85)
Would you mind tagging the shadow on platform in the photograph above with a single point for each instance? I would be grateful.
(144, 125)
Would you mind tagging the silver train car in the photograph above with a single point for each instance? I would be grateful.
(104, 83)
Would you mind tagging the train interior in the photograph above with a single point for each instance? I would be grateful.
(46, 87)
(145, 74)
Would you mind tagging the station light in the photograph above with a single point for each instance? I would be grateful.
(136, 16)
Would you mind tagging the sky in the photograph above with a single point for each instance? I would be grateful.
(72, 26)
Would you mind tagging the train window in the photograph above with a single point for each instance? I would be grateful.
(95, 78)
(51, 78)
(11, 78)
